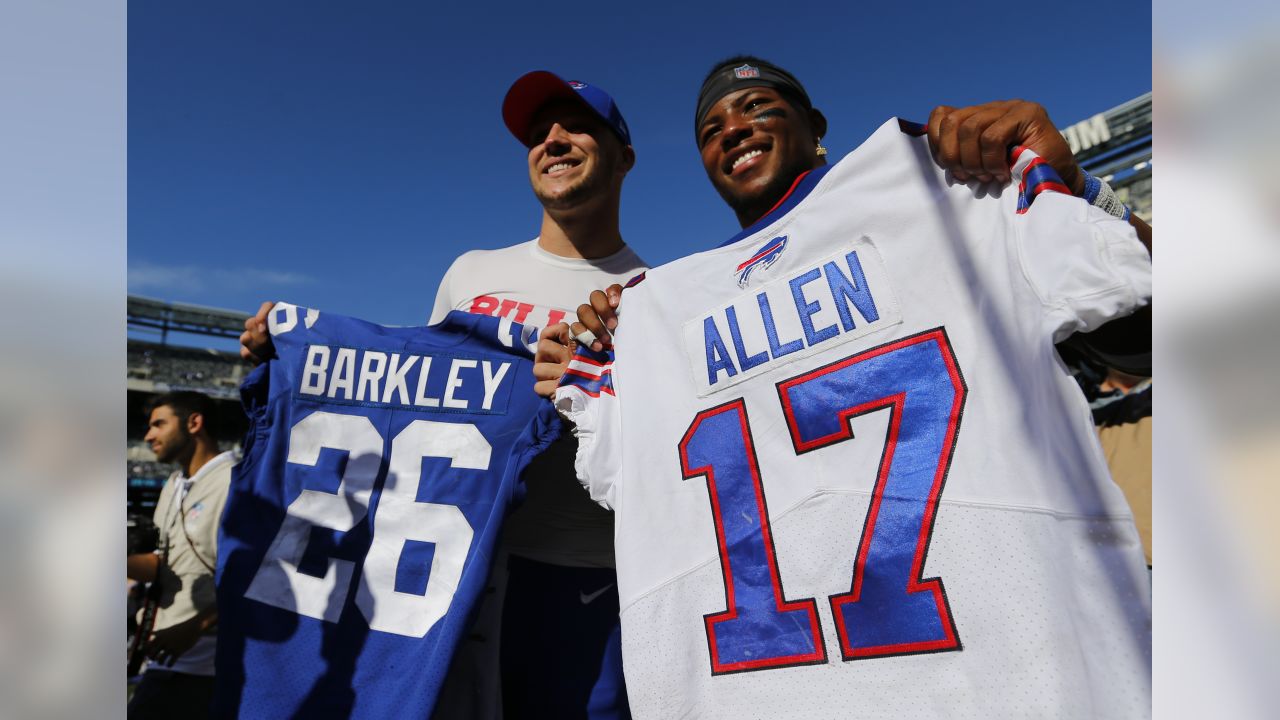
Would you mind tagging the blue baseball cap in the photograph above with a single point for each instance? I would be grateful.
(535, 89)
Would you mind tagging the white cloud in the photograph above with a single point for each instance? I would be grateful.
(151, 277)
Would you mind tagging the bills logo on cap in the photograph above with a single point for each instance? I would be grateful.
(745, 72)
(577, 85)
(763, 258)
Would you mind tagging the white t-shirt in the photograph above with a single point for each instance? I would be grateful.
(850, 474)
(199, 501)
(557, 523)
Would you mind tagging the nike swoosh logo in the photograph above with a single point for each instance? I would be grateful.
(586, 599)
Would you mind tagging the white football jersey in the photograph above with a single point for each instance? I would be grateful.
(851, 476)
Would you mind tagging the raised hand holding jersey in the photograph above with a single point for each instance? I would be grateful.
(860, 483)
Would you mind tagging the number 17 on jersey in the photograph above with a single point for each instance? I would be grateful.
(889, 609)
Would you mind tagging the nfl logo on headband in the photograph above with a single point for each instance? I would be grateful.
(746, 71)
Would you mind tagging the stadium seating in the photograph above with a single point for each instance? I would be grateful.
(186, 368)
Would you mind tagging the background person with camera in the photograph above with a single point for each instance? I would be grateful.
(177, 630)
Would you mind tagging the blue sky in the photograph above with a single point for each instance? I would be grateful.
(340, 155)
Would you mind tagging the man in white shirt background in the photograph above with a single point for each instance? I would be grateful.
(181, 641)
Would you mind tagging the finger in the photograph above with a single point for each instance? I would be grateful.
(969, 140)
(255, 341)
(600, 303)
(562, 335)
(551, 351)
(584, 336)
(935, 126)
(994, 145)
(258, 323)
(549, 371)
(248, 348)
(559, 333)
(589, 317)
(546, 388)
(614, 293)
(249, 339)
(947, 152)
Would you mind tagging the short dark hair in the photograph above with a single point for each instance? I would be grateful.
(184, 404)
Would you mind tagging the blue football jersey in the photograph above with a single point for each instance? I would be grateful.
(357, 537)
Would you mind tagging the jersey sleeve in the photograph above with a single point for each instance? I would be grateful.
(1085, 266)
(585, 397)
(255, 392)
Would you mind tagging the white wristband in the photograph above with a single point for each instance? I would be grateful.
(1100, 195)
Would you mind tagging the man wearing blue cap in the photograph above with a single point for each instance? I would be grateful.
(554, 598)
(558, 616)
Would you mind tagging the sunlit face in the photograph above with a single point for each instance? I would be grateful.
(573, 155)
(167, 435)
(754, 143)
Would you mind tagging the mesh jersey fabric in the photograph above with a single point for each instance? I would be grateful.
(850, 475)
(361, 523)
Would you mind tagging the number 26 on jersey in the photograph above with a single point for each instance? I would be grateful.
(390, 595)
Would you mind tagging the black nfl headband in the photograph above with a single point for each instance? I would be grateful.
(751, 73)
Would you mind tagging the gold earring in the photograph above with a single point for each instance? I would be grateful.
(820, 150)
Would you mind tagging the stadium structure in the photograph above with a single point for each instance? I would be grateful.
(1115, 145)
(155, 366)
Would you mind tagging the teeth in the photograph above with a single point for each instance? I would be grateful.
(748, 156)
(558, 166)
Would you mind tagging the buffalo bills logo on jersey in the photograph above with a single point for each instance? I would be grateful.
(746, 72)
(577, 85)
(763, 258)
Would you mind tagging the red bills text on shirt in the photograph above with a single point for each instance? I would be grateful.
(539, 316)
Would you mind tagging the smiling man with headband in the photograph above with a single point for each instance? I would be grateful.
(851, 476)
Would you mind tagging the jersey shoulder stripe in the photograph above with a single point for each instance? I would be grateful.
(590, 371)
(1035, 176)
